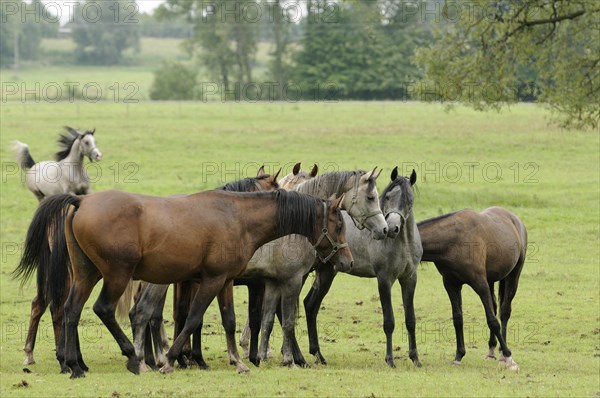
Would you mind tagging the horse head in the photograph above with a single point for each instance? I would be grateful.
(397, 201)
(297, 177)
(362, 204)
(88, 146)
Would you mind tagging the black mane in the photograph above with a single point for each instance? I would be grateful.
(247, 184)
(297, 213)
(65, 141)
(433, 219)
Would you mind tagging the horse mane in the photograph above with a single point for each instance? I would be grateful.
(247, 184)
(404, 184)
(297, 213)
(66, 141)
(434, 219)
(325, 185)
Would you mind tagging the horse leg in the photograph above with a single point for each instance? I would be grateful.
(38, 307)
(508, 292)
(484, 293)
(493, 342)
(104, 307)
(78, 295)
(385, 297)
(158, 332)
(271, 298)
(256, 291)
(206, 292)
(296, 352)
(408, 294)
(312, 303)
(289, 307)
(182, 297)
(145, 306)
(244, 341)
(197, 356)
(228, 318)
(453, 288)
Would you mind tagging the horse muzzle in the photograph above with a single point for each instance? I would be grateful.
(343, 266)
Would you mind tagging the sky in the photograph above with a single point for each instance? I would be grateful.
(66, 5)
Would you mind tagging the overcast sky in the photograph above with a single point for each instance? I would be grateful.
(66, 5)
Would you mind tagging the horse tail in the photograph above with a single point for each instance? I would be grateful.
(126, 301)
(52, 265)
(22, 154)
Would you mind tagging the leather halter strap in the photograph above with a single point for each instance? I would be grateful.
(360, 221)
(335, 246)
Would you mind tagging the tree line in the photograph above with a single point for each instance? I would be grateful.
(484, 53)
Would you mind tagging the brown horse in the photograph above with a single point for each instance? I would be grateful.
(208, 237)
(478, 249)
(261, 182)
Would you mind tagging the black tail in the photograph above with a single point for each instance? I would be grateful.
(23, 156)
(48, 221)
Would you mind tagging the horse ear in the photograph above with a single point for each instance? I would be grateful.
(334, 201)
(93, 131)
(296, 169)
(314, 171)
(377, 176)
(276, 174)
(372, 172)
(261, 171)
(413, 177)
(394, 174)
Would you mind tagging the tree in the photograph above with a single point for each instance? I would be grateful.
(481, 53)
(102, 30)
(23, 24)
(224, 35)
(357, 50)
(173, 81)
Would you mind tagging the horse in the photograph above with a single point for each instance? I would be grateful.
(359, 196)
(117, 236)
(478, 249)
(283, 264)
(394, 258)
(150, 301)
(65, 175)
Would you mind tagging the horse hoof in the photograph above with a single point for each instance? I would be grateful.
(77, 374)
(242, 368)
(456, 363)
(83, 367)
(144, 368)
(509, 363)
(28, 360)
(166, 369)
(417, 363)
(391, 364)
(133, 365)
(319, 359)
(303, 364)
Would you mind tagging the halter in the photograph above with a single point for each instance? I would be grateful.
(402, 217)
(363, 218)
(335, 246)
(92, 149)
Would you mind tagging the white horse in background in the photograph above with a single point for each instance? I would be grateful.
(66, 174)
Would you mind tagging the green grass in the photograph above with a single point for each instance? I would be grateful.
(549, 179)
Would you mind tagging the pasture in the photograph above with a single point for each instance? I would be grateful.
(464, 159)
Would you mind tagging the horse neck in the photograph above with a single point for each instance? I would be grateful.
(75, 156)
(265, 224)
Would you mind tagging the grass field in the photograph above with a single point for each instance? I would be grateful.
(548, 177)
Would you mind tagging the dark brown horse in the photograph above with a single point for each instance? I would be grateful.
(262, 182)
(207, 237)
(478, 249)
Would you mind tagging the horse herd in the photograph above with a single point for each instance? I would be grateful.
(259, 232)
